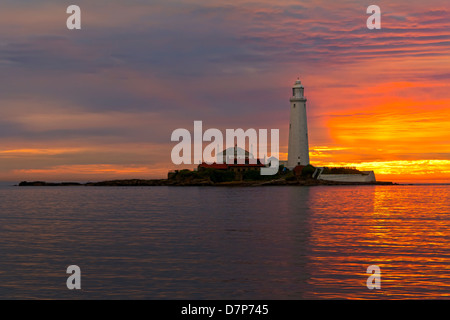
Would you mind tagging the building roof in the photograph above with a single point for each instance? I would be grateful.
(220, 166)
(298, 84)
(224, 166)
(259, 164)
(298, 169)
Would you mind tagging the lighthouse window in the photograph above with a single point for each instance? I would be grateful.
(294, 105)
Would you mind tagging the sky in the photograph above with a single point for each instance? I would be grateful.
(102, 102)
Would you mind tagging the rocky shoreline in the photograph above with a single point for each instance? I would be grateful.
(196, 182)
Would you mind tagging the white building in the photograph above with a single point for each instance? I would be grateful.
(298, 152)
(238, 153)
(364, 176)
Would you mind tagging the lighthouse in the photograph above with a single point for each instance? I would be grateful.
(298, 152)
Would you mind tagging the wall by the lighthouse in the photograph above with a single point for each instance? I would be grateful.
(364, 176)
(298, 150)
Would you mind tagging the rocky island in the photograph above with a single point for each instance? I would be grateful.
(215, 177)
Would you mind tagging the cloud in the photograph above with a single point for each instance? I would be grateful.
(139, 70)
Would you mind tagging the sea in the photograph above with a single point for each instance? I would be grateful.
(273, 242)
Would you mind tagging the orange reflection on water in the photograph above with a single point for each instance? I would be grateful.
(402, 229)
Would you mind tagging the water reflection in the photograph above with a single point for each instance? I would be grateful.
(403, 230)
(226, 243)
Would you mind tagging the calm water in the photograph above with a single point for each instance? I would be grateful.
(225, 243)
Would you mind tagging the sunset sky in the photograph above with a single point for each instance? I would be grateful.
(101, 102)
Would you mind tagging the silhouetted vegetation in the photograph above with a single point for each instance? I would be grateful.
(290, 176)
(222, 176)
(308, 171)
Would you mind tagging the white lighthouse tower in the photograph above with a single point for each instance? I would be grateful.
(298, 152)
